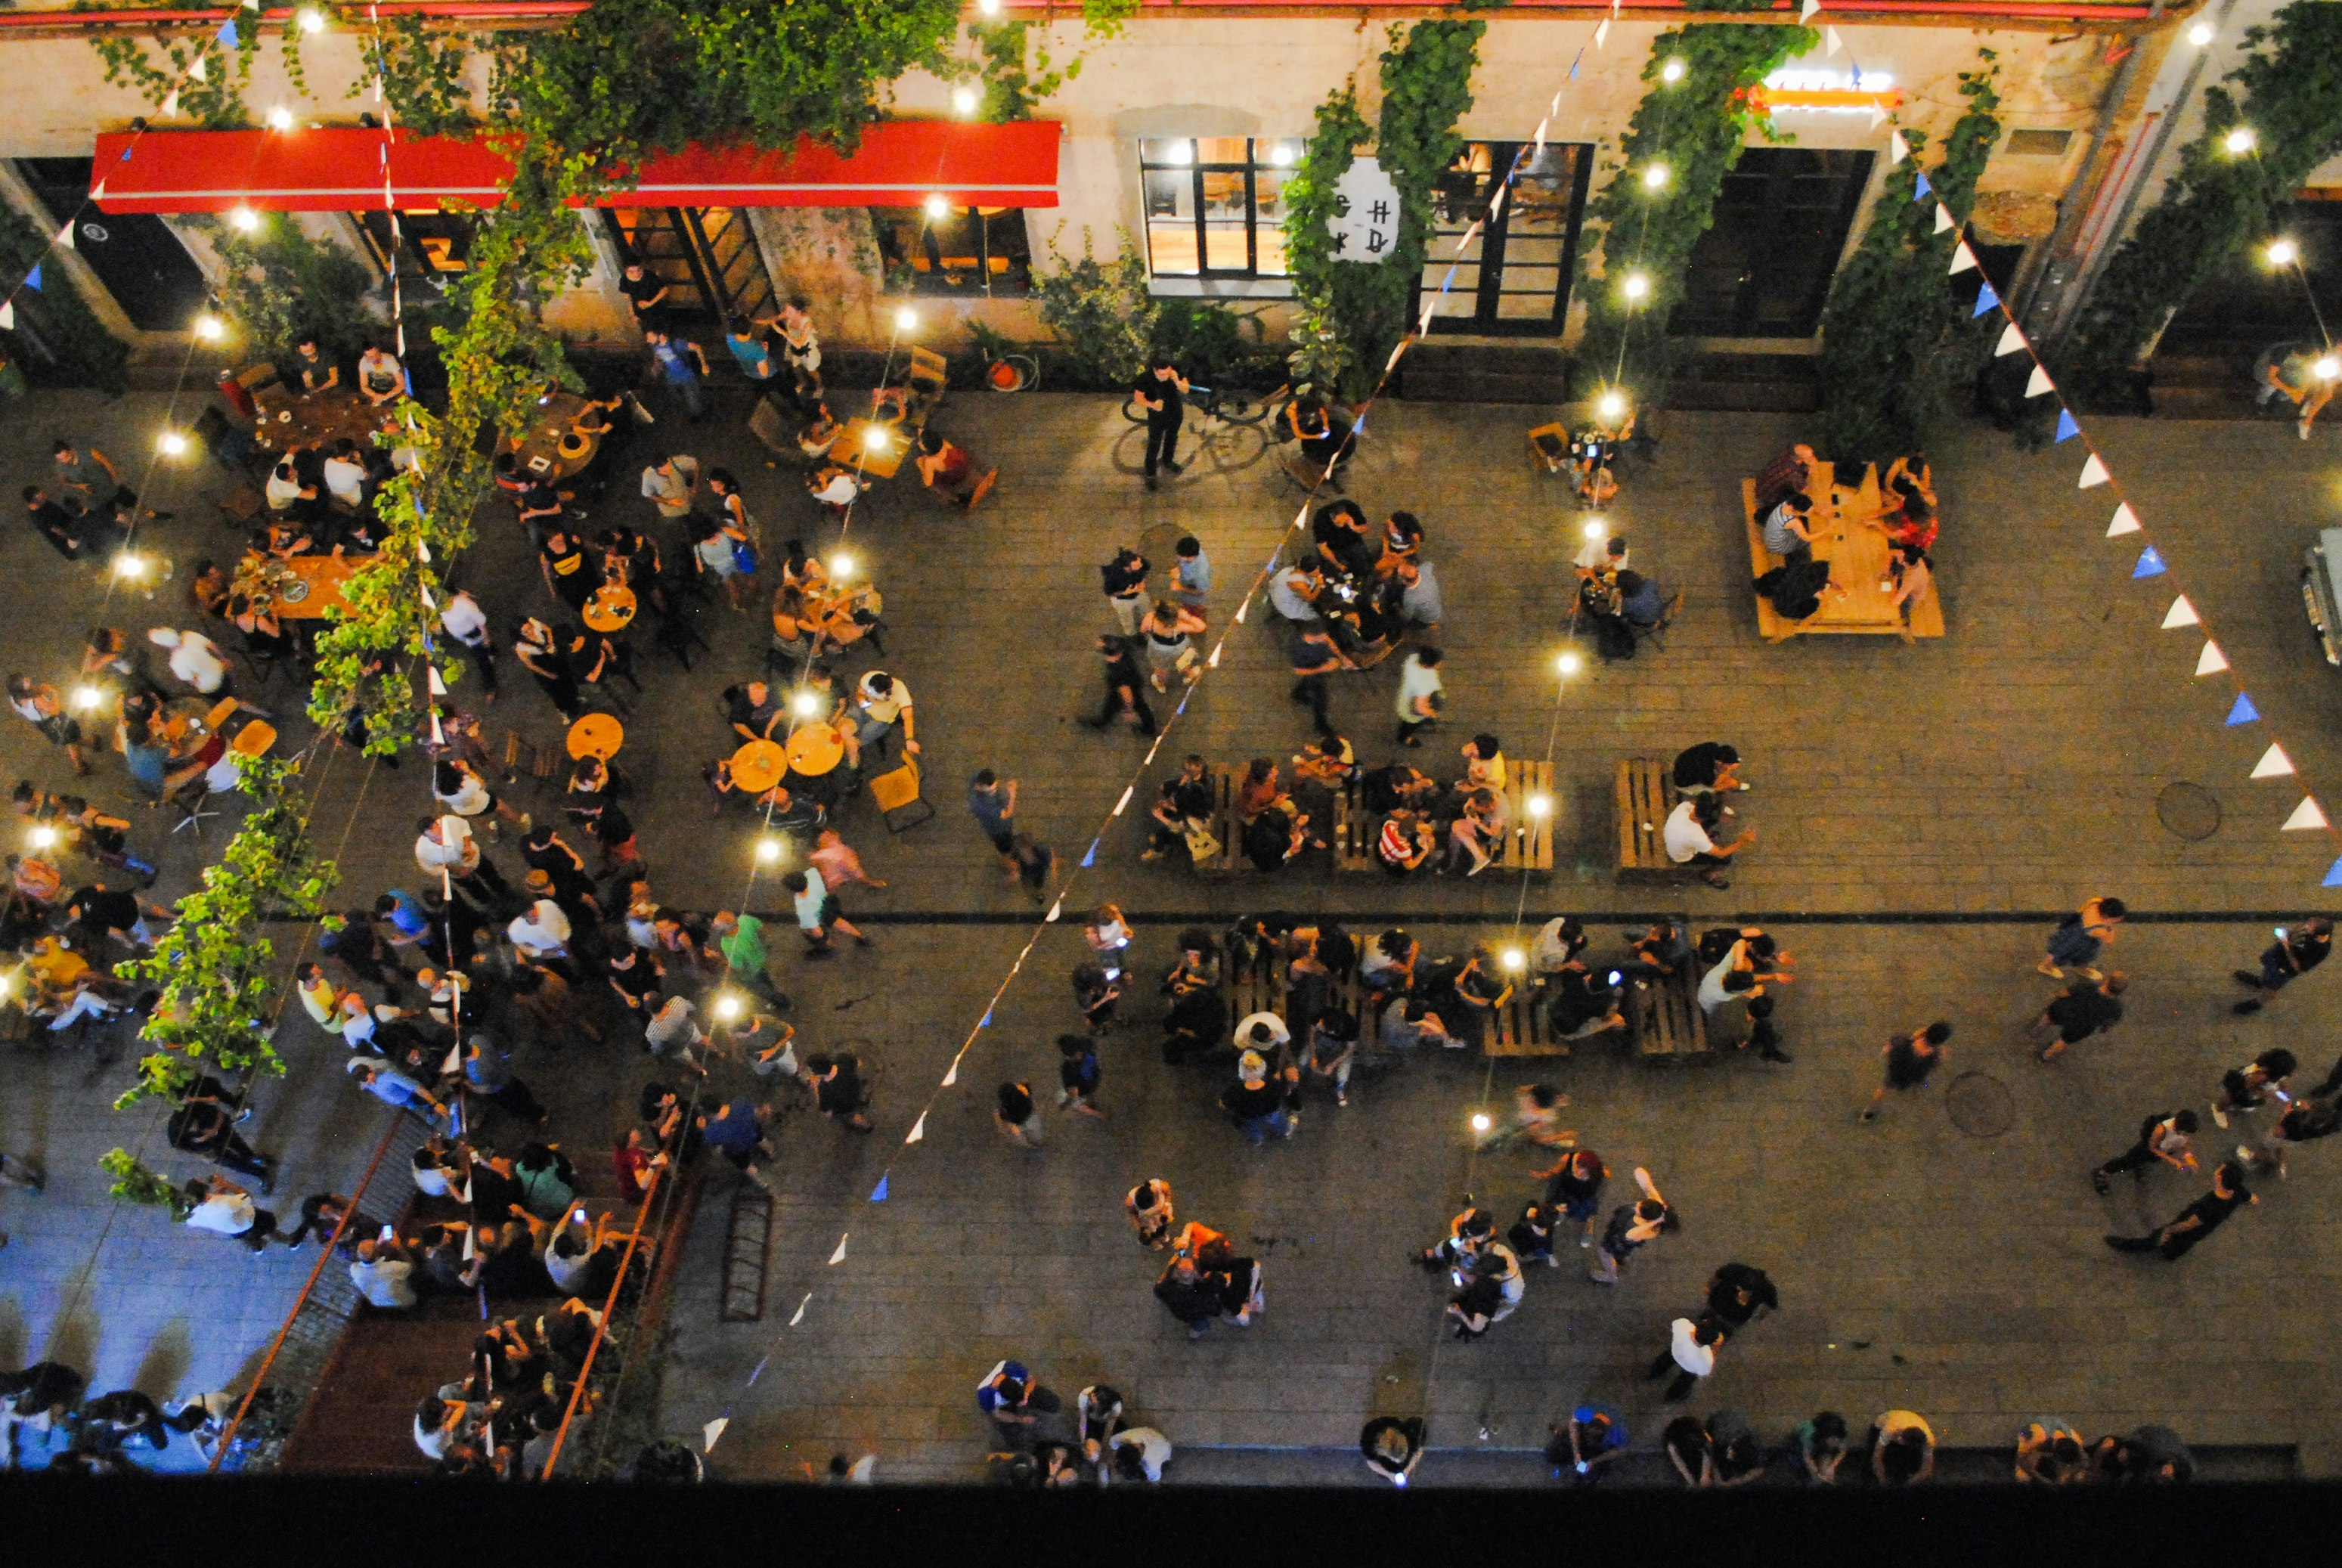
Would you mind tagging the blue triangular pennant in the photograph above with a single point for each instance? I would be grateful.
(985, 1022)
(227, 34)
(32, 278)
(2150, 565)
(2244, 712)
(1985, 300)
(2067, 428)
(1089, 855)
(879, 1192)
(2333, 874)
(1920, 188)
(1576, 63)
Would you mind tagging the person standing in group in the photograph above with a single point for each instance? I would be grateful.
(1632, 1226)
(1392, 1445)
(1078, 1075)
(741, 939)
(1149, 1207)
(1191, 572)
(1124, 689)
(992, 801)
(2297, 951)
(1161, 391)
(1315, 660)
(1019, 1116)
(1692, 1348)
(1910, 1059)
(2249, 1087)
(2080, 938)
(682, 366)
(818, 914)
(2302, 1122)
(462, 618)
(1255, 1102)
(2197, 1221)
(2089, 1007)
(2167, 1136)
(1420, 693)
(1573, 1187)
(1739, 1295)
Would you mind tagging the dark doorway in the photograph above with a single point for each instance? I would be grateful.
(708, 258)
(1764, 268)
(1513, 280)
(136, 255)
(2249, 305)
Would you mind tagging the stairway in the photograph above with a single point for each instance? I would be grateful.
(2204, 383)
(1485, 370)
(1748, 383)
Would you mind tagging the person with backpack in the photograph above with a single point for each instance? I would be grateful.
(2081, 937)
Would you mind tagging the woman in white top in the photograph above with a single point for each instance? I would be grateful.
(458, 786)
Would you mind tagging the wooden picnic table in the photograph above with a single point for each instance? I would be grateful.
(1842, 523)
(289, 419)
(319, 580)
(557, 413)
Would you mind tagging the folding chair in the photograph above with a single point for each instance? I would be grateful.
(242, 507)
(1549, 447)
(1651, 634)
(897, 791)
(767, 425)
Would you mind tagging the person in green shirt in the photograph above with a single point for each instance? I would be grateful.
(741, 939)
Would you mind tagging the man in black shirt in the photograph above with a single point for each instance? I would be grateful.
(100, 911)
(644, 293)
(50, 521)
(1125, 688)
(1190, 1294)
(2293, 954)
(1739, 1292)
(2197, 1219)
(2085, 1008)
(1910, 1059)
(318, 373)
(1710, 767)
(1159, 391)
(751, 709)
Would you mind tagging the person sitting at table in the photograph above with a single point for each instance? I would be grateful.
(264, 633)
(564, 564)
(345, 475)
(317, 374)
(1340, 533)
(751, 709)
(1910, 575)
(285, 539)
(820, 432)
(1785, 476)
(1601, 603)
(1640, 600)
(1387, 789)
(1404, 841)
(1914, 523)
(1789, 528)
(381, 378)
(282, 485)
(1591, 451)
(1275, 835)
(1477, 834)
(881, 701)
(631, 560)
(1903, 484)
(792, 632)
(835, 487)
(950, 472)
(207, 588)
(1310, 422)
(1688, 841)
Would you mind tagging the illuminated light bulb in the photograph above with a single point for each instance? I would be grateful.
(1281, 154)
(1515, 959)
(768, 850)
(1569, 663)
(841, 564)
(875, 439)
(1481, 1122)
(243, 219)
(1612, 405)
(938, 209)
(171, 444)
(1595, 528)
(1637, 287)
(2200, 34)
(1540, 806)
(2240, 141)
(2329, 368)
(129, 565)
(44, 837)
(965, 100)
(1655, 176)
(210, 328)
(312, 21)
(1673, 70)
(2283, 253)
(280, 118)
(727, 1009)
(989, 7)
(906, 319)
(86, 696)
(806, 706)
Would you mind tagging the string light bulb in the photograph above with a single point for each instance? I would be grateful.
(210, 328)
(965, 100)
(938, 209)
(875, 438)
(1637, 288)
(806, 706)
(2282, 253)
(841, 564)
(1673, 70)
(1595, 528)
(1481, 1122)
(989, 7)
(727, 1009)
(906, 319)
(130, 564)
(44, 836)
(243, 219)
(1540, 806)
(2329, 368)
(1514, 960)
(1281, 154)
(171, 444)
(311, 20)
(1656, 176)
(1612, 405)
(1569, 664)
(2239, 141)
(280, 118)
(768, 850)
(86, 697)
(2200, 34)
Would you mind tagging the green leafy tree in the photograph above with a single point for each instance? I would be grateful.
(1897, 340)
(1101, 313)
(278, 285)
(1693, 129)
(134, 1182)
(2218, 202)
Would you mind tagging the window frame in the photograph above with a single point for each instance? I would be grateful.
(1195, 169)
(1015, 281)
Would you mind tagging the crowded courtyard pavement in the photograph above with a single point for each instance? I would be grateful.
(1926, 813)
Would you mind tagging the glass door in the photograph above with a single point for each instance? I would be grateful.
(1514, 278)
(136, 255)
(1764, 268)
(706, 256)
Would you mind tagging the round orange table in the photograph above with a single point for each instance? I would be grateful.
(596, 735)
(816, 749)
(758, 766)
(611, 609)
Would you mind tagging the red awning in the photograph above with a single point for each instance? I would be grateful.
(338, 169)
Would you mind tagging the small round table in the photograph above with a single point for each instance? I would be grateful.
(596, 735)
(758, 766)
(611, 609)
(816, 749)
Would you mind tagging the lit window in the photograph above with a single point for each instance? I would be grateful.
(967, 251)
(1215, 205)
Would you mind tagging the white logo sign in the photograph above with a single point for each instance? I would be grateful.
(1365, 225)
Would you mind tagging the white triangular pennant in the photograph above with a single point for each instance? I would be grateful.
(2181, 614)
(711, 1431)
(838, 1256)
(1963, 259)
(1897, 149)
(797, 1316)
(951, 1074)
(2274, 764)
(2038, 383)
(7, 314)
(1878, 114)
(1213, 662)
(170, 102)
(1602, 33)
(1806, 14)
(2094, 474)
(1240, 610)
(2012, 339)
(97, 192)
(2304, 815)
(2211, 661)
(2126, 522)
(65, 235)
(199, 72)
(1055, 910)
(438, 687)
(918, 1130)
(1832, 43)
(1943, 219)
(1125, 801)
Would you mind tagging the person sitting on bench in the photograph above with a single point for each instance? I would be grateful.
(1688, 843)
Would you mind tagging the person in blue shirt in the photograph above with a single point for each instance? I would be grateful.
(1192, 572)
(1584, 1446)
(754, 354)
(737, 1131)
(409, 921)
(681, 366)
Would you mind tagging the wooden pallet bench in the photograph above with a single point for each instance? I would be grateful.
(1642, 797)
(1663, 1016)
(1528, 842)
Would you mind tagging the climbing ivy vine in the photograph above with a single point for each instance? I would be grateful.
(1896, 339)
(1692, 129)
(2219, 203)
(1350, 315)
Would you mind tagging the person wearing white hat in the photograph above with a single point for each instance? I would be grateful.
(1257, 1099)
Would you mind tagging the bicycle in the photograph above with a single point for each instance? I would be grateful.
(1229, 406)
